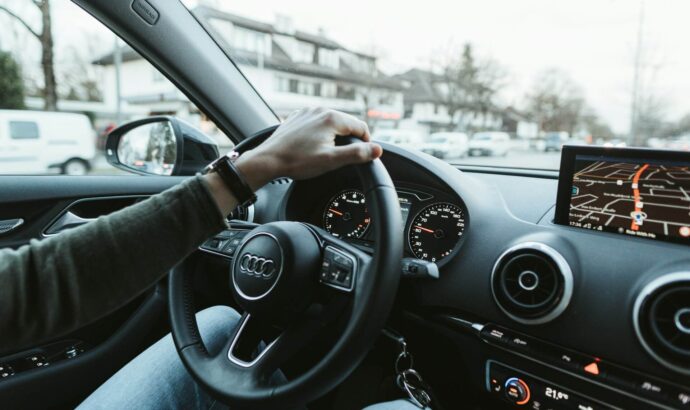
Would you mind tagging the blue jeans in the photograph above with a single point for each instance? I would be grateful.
(157, 379)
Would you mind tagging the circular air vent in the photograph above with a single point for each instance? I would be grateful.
(242, 213)
(532, 283)
(662, 320)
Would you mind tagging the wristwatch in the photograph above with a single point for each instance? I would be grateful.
(232, 178)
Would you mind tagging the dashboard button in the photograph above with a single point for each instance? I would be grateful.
(517, 391)
(6, 371)
(680, 398)
(652, 389)
(494, 334)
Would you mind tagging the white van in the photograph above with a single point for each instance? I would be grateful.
(39, 142)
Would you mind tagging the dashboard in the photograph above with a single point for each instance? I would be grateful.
(546, 310)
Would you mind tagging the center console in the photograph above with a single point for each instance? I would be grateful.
(523, 389)
(613, 195)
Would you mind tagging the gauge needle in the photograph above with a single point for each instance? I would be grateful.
(425, 229)
(335, 212)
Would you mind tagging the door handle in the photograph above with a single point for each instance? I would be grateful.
(68, 220)
(8, 225)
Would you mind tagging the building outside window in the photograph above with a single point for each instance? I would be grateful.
(328, 58)
(304, 52)
(345, 92)
(294, 86)
(157, 75)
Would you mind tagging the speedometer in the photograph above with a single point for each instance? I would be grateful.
(435, 231)
(346, 215)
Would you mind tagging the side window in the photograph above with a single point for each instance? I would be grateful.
(23, 130)
(55, 115)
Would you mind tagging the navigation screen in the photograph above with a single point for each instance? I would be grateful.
(639, 197)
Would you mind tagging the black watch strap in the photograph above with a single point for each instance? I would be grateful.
(233, 179)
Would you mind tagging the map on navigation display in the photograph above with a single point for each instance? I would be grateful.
(633, 198)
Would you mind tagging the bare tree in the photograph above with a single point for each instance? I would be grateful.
(595, 126)
(45, 37)
(650, 117)
(467, 85)
(678, 128)
(556, 103)
(79, 78)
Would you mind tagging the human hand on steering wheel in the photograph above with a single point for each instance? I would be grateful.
(304, 146)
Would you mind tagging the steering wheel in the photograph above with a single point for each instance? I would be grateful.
(279, 275)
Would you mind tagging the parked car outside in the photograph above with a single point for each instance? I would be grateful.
(681, 143)
(493, 143)
(404, 138)
(35, 142)
(446, 145)
(615, 143)
(554, 141)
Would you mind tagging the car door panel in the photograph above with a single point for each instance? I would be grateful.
(79, 362)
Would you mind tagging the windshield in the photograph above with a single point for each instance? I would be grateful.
(439, 139)
(544, 73)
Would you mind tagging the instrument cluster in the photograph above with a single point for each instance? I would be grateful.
(433, 225)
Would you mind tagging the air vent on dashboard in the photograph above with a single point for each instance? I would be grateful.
(242, 213)
(532, 283)
(662, 320)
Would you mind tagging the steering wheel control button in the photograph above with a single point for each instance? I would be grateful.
(337, 269)
(225, 243)
(214, 244)
(258, 266)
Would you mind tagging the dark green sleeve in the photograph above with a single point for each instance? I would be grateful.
(56, 285)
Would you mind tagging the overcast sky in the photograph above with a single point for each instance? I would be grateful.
(592, 40)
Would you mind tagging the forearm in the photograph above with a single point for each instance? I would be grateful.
(61, 283)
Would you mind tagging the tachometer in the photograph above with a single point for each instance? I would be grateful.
(435, 231)
(346, 215)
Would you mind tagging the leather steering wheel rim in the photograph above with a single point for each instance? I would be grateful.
(375, 289)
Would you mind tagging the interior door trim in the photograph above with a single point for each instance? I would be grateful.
(66, 219)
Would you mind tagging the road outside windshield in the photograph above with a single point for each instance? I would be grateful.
(505, 83)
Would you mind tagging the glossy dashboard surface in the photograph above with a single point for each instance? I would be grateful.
(502, 211)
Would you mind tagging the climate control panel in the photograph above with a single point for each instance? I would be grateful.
(526, 391)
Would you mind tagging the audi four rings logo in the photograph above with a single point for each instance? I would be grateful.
(257, 266)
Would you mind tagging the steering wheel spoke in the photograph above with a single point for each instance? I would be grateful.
(247, 345)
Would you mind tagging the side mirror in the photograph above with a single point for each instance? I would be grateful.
(160, 145)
